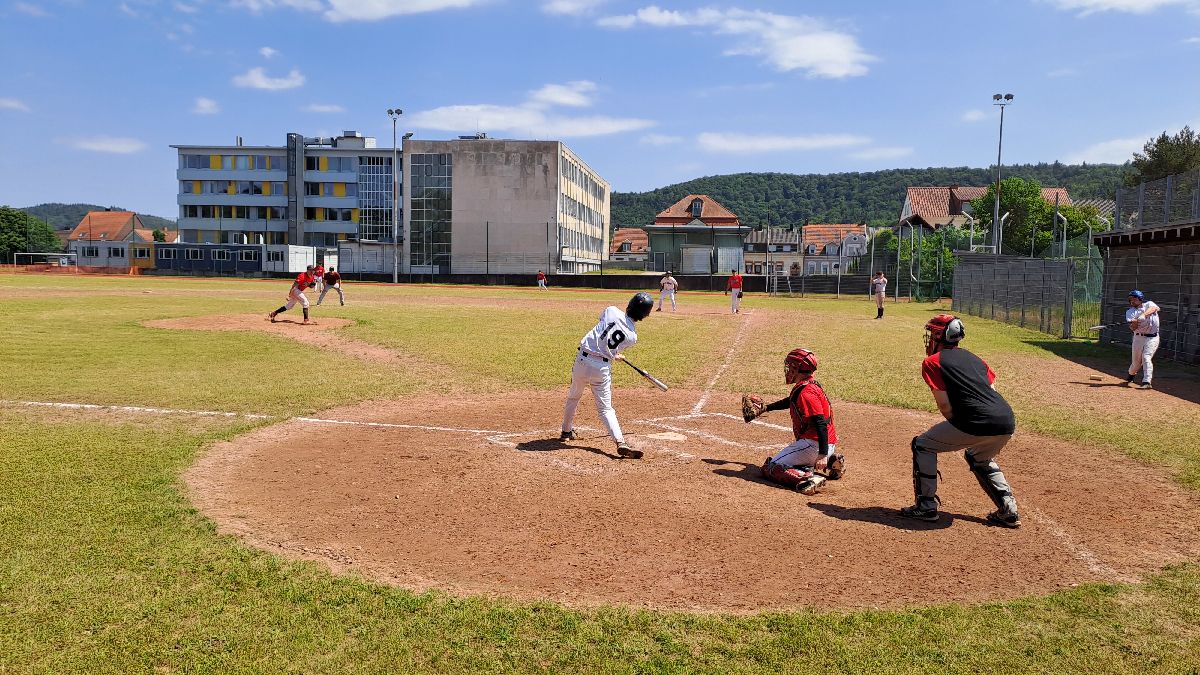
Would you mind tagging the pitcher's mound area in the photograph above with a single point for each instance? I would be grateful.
(479, 497)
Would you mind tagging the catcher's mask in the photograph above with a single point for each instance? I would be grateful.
(801, 360)
(639, 306)
(944, 329)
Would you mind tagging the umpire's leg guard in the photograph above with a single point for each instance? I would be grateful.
(993, 482)
(925, 475)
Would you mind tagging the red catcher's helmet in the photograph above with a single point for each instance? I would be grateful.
(802, 360)
(945, 329)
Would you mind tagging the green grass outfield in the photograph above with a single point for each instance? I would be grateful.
(105, 567)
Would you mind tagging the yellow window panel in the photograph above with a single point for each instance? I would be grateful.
(320, 214)
(324, 163)
(195, 187)
(266, 188)
(354, 215)
(232, 189)
(214, 161)
(339, 189)
(341, 236)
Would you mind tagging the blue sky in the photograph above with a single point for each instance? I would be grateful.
(93, 92)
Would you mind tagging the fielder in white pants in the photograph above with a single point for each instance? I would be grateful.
(335, 286)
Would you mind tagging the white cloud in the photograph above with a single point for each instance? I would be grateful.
(1192, 41)
(13, 104)
(785, 42)
(127, 10)
(659, 139)
(324, 108)
(186, 9)
(206, 106)
(974, 116)
(1115, 151)
(1062, 72)
(571, 7)
(30, 9)
(256, 78)
(734, 143)
(1086, 7)
(358, 10)
(573, 94)
(110, 144)
(268, 53)
(882, 153)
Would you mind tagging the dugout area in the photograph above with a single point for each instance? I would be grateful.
(478, 497)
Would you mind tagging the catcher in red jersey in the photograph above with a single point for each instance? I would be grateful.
(304, 281)
(806, 463)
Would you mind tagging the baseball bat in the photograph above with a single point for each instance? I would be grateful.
(1106, 325)
(657, 382)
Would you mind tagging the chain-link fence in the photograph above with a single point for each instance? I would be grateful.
(1028, 292)
(1174, 200)
(1169, 275)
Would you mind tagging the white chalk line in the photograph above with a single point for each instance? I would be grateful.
(389, 425)
(1076, 549)
(131, 408)
(737, 340)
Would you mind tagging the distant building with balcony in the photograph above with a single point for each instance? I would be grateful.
(696, 235)
(815, 249)
(113, 239)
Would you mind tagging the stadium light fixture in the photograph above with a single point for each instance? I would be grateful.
(1001, 100)
(395, 114)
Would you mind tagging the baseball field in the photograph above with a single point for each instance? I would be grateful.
(185, 486)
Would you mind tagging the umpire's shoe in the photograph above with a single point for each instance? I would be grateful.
(1004, 519)
(917, 512)
(624, 450)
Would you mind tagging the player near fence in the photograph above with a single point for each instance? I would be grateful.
(1143, 319)
(615, 332)
(541, 279)
(735, 285)
(304, 281)
(806, 463)
(879, 290)
(668, 286)
(332, 279)
(978, 420)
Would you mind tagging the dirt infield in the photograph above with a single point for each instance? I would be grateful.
(474, 497)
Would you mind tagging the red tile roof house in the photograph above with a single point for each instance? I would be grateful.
(103, 239)
(937, 207)
(684, 236)
(629, 244)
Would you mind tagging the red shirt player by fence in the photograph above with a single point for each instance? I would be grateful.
(541, 279)
(734, 284)
(332, 279)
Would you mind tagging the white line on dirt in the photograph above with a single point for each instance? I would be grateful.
(130, 408)
(735, 417)
(737, 340)
(387, 425)
(1076, 549)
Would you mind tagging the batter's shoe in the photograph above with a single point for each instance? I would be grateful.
(624, 450)
(567, 436)
(1004, 519)
(917, 512)
(1145, 385)
(1129, 381)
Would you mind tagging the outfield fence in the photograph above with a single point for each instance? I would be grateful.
(1033, 293)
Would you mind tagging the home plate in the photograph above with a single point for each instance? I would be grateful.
(667, 436)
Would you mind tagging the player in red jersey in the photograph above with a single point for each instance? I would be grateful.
(304, 281)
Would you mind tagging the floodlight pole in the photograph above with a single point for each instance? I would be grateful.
(1002, 101)
(395, 114)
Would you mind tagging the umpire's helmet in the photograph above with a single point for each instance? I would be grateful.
(801, 359)
(944, 329)
(639, 306)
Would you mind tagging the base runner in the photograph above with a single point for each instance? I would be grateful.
(978, 420)
(615, 333)
(805, 464)
(304, 281)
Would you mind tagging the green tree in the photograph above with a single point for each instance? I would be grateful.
(22, 233)
(1030, 227)
(159, 235)
(1166, 156)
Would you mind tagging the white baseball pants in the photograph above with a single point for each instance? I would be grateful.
(595, 374)
(803, 452)
(666, 294)
(337, 287)
(1143, 355)
(296, 295)
(737, 299)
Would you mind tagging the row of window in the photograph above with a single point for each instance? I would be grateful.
(569, 207)
(325, 163)
(143, 253)
(233, 162)
(575, 173)
(582, 241)
(320, 213)
(331, 189)
(234, 187)
(234, 212)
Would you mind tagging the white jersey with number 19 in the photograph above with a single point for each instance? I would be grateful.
(614, 334)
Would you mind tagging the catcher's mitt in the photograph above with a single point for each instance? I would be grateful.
(752, 406)
(313, 285)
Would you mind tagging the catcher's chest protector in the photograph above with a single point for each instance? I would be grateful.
(801, 422)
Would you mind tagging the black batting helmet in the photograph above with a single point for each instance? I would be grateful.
(639, 306)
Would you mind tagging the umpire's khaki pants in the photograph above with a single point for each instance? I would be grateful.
(981, 453)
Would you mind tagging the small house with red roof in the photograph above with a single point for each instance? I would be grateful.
(696, 235)
(114, 239)
(629, 244)
(815, 249)
(938, 207)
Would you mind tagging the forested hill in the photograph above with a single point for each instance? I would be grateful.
(874, 197)
(65, 216)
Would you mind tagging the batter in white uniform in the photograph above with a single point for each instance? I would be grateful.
(1142, 316)
(669, 285)
(615, 333)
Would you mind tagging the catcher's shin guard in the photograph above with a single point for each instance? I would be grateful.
(778, 473)
(993, 482)
(925, 476)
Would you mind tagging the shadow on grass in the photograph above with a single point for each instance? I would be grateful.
(1173, 379)
(553, 444)
(891, 517)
